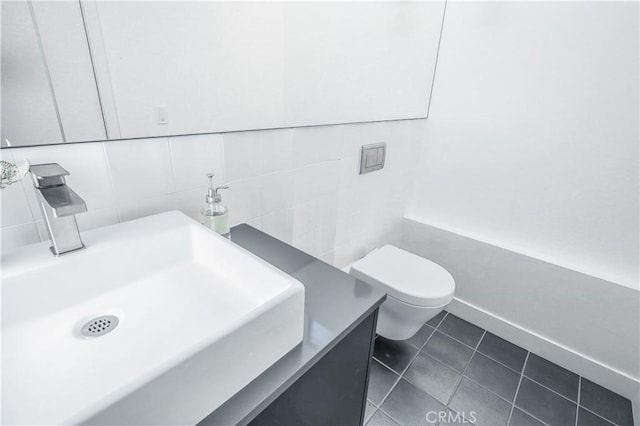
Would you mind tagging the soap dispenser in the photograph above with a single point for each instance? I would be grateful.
(215, 215)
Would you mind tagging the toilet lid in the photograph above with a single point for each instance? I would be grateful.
(405, 276)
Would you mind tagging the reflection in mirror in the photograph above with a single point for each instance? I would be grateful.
(95, 70)
(26, 92)
(49, 93)
(204, 67)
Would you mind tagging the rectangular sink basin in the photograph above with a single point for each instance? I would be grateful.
(188, 319)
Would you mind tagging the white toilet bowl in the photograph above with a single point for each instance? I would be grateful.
(417, 289)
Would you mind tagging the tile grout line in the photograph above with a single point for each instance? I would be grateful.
(401, 375)
(457, 386)
(459, 341)
(375, 410)
(386, 395)
(442, 364)
(489, 356)
(548, 388)
(502, 364)
(468, 378)
(514, 400)
(107, 163)
(390, 416)
(489, 390)
(578, 406)
(440, 322)
(475, 350)
(522, 375)
(396, 381)
(513, 404)
(540, 384)
(532, 416)
(598, 415)
(421, 347)
(174, 186)
(578, 401)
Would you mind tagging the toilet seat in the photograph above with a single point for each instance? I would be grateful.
(404, 276)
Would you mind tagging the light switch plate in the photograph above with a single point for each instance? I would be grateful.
(162, 116)
(372, 157)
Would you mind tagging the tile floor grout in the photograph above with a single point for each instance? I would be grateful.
(521, 373)
(479, 351)
(531, 415)
(400, 376)
(578, 401)
(395, 383)
(462, 376)
(512, 403)
(598, 415)
(445, 366)
(390, 416)
(502, 364)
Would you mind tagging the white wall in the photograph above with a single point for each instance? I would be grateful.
(532, 136)
(300, 185)
(527, 182)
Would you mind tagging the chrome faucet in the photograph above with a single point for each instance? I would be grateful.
(59, 206)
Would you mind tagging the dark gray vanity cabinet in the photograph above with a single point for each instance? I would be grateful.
(334, 391)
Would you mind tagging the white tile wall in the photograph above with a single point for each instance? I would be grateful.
(276, 150)
(242, 155)
(15, 207)
(277, 191)
(140, 168)
(300, 185)
(313, 145)
(194, 157)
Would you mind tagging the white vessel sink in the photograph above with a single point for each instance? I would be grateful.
(199, 318)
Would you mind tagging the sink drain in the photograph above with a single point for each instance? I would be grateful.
(100, 326)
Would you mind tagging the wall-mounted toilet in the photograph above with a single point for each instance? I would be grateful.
(417, 289)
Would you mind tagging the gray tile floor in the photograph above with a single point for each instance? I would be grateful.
(466, 373)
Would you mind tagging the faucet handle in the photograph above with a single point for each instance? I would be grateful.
(50, 174)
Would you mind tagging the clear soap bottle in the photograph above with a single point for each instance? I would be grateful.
(214, 214)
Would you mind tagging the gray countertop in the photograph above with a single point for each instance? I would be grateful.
(335, 303)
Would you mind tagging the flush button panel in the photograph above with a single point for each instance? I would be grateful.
(372, 157)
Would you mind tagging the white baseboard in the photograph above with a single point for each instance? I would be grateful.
(593, 370)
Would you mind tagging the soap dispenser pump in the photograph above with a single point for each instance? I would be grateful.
(215, 215)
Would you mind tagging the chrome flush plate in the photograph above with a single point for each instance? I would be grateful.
(372, 157)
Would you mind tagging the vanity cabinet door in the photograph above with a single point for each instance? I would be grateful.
(334, 390)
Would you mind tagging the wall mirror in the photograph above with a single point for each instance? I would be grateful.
(77, 71)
